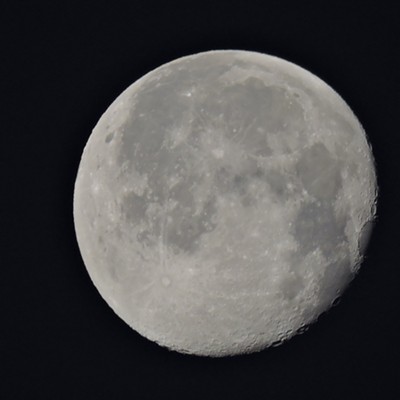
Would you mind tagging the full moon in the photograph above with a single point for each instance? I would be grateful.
(224, 201)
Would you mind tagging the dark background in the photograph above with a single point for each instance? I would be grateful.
(62, 64)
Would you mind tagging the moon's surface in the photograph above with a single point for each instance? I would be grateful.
(224, 201)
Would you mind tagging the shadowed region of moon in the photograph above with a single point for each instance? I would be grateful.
(224, 201)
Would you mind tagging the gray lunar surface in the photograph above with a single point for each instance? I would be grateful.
(224, 201)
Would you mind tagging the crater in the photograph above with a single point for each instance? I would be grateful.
(364, 237)
(109, 137)
(336, 278)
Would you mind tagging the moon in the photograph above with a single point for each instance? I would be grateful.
(224, 201)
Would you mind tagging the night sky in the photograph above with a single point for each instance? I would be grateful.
(62, 64)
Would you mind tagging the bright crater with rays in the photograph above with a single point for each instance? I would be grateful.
(224, 201)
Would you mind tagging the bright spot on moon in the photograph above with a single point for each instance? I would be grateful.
(224, 201)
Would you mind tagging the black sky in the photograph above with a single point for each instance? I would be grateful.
(61, 64)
